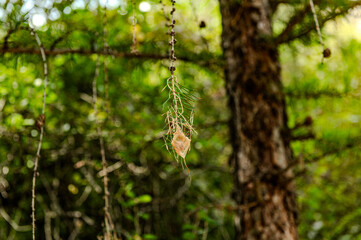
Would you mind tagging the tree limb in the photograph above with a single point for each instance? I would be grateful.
(12, 223)
(321, 93)
(53, 52)
(303, 137)
(310, 26)
(295, 19)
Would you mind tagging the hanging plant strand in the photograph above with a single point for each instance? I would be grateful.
(326, 52)
(179, 117)
(109, 225)
(40, 122)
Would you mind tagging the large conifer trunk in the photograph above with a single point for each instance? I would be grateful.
(258, 127)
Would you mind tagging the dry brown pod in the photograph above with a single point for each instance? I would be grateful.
(181, 143)
(308, 121)
(327, 53)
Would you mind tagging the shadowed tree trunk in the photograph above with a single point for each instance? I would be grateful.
(259, 133)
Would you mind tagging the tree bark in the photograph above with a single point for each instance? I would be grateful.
(258, 126)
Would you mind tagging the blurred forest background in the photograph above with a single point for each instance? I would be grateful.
(151, 196)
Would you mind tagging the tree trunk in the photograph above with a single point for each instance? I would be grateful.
(259, 132)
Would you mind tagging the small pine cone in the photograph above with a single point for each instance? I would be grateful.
(327, 53)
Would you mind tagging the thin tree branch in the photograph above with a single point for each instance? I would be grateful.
(206, 61)
(6, 38)
(40, 124)
(314, 159)
(227, 207)
(303, 137)
(295, 19)
(310, 26)
(110, 169)
(59, 39)
(322, 93)
(12, 223)
(315, 18)
(109, 225)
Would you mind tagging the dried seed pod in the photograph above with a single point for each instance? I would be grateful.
(308, 121)
(40, 121)
(327, 53)
(181, 143)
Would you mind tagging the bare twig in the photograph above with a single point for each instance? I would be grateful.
(41, 126)
(227, 207)
(295, 19)
(12, 223)
(313, 159)
(317, 28)
(110, 169)
(322, 93)
(309, 135)
(109, 225)
(59, 39)
(316, 23)
(6, 38)
(205, 231)
(309, 27)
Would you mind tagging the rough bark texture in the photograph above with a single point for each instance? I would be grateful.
(258, 127)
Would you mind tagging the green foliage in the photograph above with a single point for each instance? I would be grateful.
(329, 93)
(151, 196)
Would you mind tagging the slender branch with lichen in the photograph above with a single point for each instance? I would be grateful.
(179, 117)
(40, 126)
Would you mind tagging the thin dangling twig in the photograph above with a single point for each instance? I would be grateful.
(172, 62)
(40, 125)
(134, 41)
(326, 52)
(109, 225)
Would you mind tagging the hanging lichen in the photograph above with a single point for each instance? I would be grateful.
(179, 117)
